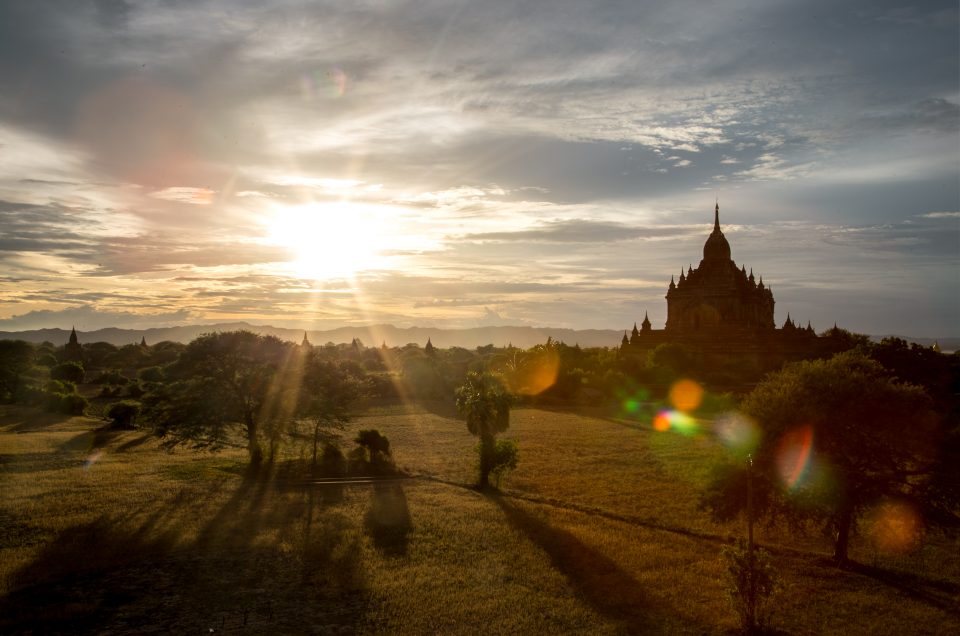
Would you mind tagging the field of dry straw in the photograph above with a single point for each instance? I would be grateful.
(596, 532)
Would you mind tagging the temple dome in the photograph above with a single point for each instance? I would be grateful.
(716, 248)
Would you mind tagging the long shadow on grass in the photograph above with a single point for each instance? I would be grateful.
(29, 420)
(941, 594)
(598, 580)
(388, 519)
(260, 561)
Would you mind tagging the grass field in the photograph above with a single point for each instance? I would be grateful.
(596, 532)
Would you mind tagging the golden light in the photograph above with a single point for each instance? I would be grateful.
(333, 240)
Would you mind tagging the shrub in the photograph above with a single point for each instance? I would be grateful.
(332, 461)
(123, 414)
(69, 371)
(46, 360)
(66, 403)
(110, 377)
(506, 454)
(58, 386)
(372, 452)
(751, 582)
(151, 374)
(134, 390)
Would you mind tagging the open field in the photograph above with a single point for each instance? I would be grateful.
(597, 532)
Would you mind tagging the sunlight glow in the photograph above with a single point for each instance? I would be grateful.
(333, 240)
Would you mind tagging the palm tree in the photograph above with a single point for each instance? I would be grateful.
(485, 405)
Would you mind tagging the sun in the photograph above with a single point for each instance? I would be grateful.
(331, 240)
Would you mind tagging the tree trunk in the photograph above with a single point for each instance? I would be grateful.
(253, 444)
(316, 439)
(487, 449)
(844, 526)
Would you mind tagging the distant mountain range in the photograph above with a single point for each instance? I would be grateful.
(374, 336)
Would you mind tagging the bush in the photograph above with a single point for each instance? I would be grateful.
(750, 585)
(69, 371)
(66, 403)
(58, 386)
(110, 377)
(151, 374)
(123, 414)
(134, 390)
(506, 454)
(372, 453)
(332, 461)
(46, 360)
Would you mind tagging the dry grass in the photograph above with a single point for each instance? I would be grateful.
(598, 532)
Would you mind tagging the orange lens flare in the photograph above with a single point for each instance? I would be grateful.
(677, 421)
(686, 395)
(662, 421)
(793, 455)
(894, 527)
(537, 374)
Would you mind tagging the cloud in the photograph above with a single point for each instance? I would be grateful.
(183, 194)
(579, 231)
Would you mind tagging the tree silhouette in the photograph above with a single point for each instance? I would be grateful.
(485, 405)
(837, 436)
(327, 394)
(222, 380)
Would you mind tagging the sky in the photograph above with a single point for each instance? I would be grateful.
(461, 164)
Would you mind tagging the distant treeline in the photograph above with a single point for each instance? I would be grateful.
(551, 372)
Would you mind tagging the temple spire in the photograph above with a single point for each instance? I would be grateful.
(716, 217)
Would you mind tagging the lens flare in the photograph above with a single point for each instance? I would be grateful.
(314, 83)
(635, 403)
(92, 459)
(686, 395)
(537, 374)
(662, 421)
(793, 455)
(738, 432)
(894, 527)
(676, 421)
(337, 80)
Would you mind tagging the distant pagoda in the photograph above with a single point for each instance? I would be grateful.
(72, 351)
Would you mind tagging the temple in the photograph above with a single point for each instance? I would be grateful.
(724, 316)
(716, 296)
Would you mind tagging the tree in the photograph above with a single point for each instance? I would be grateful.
(16, 358)
(327, 395)
(69, 371)
(123, 414)
(837, 436)
(485, 405)
(222, 381)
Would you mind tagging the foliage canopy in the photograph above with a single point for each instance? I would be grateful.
(837, 436)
